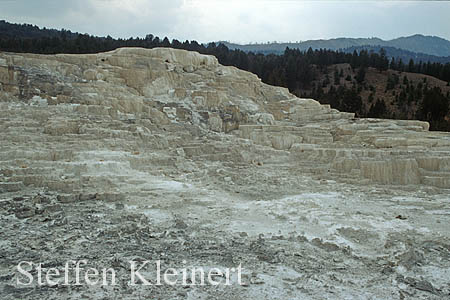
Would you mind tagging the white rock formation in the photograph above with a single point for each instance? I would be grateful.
(194, 89)
(165, 151)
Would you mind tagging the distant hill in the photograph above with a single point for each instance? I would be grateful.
(404, 55)
(424, 45)
(332, 44)
(432, 45)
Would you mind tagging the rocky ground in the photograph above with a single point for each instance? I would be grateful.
(166, 155)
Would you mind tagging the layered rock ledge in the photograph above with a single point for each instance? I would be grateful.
(139, 91)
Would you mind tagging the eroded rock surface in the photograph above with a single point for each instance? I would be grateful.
(165, 154)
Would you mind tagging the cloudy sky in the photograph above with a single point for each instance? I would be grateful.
(239, 21)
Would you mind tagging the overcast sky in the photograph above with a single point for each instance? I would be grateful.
(236, 21)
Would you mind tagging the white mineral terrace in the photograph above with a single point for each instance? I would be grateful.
(166, 154)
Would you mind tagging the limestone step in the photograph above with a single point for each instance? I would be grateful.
(346, 177)
(428, 173)
(6, 187)
(435, 163)
(437, 181)
(49, 155)
(318, 139)
(9, 172)
(223, 157)
(194, 150)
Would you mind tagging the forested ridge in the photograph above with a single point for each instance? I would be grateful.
(367, 83)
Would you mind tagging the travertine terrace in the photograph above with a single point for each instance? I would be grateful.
(166, 154)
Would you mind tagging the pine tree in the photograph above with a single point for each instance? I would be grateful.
(361, 75)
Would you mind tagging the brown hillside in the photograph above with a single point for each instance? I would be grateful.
(376, 86)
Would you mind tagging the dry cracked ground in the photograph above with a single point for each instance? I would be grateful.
(165, 155)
